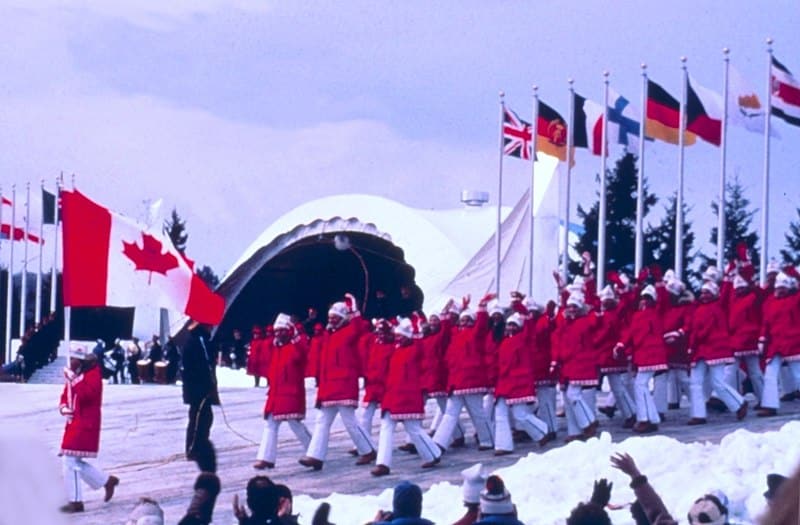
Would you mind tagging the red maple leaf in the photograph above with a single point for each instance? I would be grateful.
(149, 257)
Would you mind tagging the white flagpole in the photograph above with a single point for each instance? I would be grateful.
(499, 197)
(762, 272)
(6, 312)
(534, 134)
(23, 286)
(570, 141)
(679, 200)
(601, 217)
(723, 146)
(10, 295)
(639, 249)
(54, 269)
(37, 315)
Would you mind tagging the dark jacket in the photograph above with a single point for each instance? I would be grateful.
(651, 503)
(499, 519)
(199, 375)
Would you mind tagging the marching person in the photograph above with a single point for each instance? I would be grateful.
(677, 306)
(710, 351)
(375, 353)
(200, 393)
(286, 398)
(337, 371)
(545, 381)
(436, 366)
(745, 309)
(403, 401)
(254, 354)
(467, 377)
(81, 402)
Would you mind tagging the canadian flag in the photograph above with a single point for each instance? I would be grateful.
(110, 261)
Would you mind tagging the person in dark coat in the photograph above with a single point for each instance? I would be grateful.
(173, 358)
(200, 393)
(406, 507)
(263, 500)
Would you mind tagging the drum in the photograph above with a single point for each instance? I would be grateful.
(143, 366)
(161, 372)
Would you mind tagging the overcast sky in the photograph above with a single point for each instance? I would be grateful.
(235, 112)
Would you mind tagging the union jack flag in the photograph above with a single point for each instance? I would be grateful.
(517, 138)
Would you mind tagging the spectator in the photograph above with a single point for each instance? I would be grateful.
(708, 510)
(647, 497)
(263, 500)
(593, 512)
(146, 512)
(173, 357)
(774, 482)
(201, 508)
(496, 507)
(406, 507)
(471, 489)
(784, 503)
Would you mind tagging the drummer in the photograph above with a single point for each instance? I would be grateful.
(134, 356)
(155, 355)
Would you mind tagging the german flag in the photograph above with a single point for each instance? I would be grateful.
(663, 116)
(551, 130)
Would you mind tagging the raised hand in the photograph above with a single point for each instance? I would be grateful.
(626, 464)
(601, 494)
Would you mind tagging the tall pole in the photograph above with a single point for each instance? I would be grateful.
(37, 314)
(499, 197)
(679, 200)
(762, 273)
(570, 141)
(10, 294)
(23, 285)
(723, 144)
(534, 135)
(54, 269)
(639, 249)
(601, 218)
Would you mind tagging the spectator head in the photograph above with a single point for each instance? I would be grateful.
(474, 481)
(708, 510)
(337, 314)
(774, 481)
(588, 514)
(262, 496)
(146, 512)
(495, 498)
(284, 493)
(407, 500)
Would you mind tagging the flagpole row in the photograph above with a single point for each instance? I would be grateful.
(639, 248)
(721, 219)
(762, 272)
(570, 131)
(679, 199)
(23, 285)
(499, 197)
(10, 287)
(601, 218)
(534, 133)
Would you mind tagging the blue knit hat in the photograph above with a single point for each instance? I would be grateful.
(407, 500)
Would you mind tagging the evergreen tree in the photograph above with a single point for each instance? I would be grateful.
(738, 219)
(175, 229)
(660, 242)
(791, 255)
(620, 217)
(208, 276)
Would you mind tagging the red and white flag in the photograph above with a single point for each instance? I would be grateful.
(19, 234)
(110, 261)
(785, 94)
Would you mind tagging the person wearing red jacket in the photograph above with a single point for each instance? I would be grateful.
(80, 404)
(643, 343)
(435, 344)
(744, 323)
(677, 305)
(493, 337)
(377, 348)
(467, 377)
(337, 369)
(780, 340)
(403, 401)
(514, 389)
(286, 398)
(544, 380)
(575, 358)
(254, 354)
(710, 351)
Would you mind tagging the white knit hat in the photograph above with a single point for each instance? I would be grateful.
(495, 498)
(669, 275)
(404, 328)
(576, 299)
(283, 321)
(740, 282)
(711, 274)
(474, 481)
(674, 286)
(773, 266)
(649, 290)
(78, 350)
(495, 308)
(607, 293)
(783, 281)
(711, 287)
(340, 309)
(532, 305)
(516, 319)
(467, 313)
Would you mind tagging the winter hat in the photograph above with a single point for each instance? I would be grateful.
(282, 321)
(407, 500)
(740, 282)
(467, 313)
(495, 308)
(650, 291)
(495, 499)
(404, 328)
(607, 293)
(773, 266)
(516, 319)
(532, 305)
(473, 483)
(576, 299)
(455, 307)
(774, 481)
(669, 275)
(674, 286)
(340, 309)
(708, 510)
(783, 281)
(711, 274)
(78, 351)
(711, 287)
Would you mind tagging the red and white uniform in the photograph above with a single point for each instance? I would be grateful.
(574, 350)
(781, 327)
(514, 367)
(375, 356)
(708, 334)
(434, 369)
(84, 396)
(339, 365)
(286, 398)
(465, 358)
(644, 340)
(744, 322)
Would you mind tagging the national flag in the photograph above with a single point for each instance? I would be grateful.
(49, 208)
(516, 136)
(19, 233)
(622, 127)
(663, 116)
(551, 129)
(744, 107)
(623, 122)
(587, 124)
(785, 91)
(704, 110)
(110, 261)
(7, 201)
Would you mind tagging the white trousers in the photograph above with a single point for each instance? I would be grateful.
(678, 385)
(474, 405)
(788, 383)
(753, 366)
(525, 420)
(367, 415)
(660, 392)
(579, 414)
(645, 405)
(617, 384)
(427, 449)
(732, 399)
(488, 407)
(546, 396)
(772, 375)
(268, 450)
(78, 469)
(441, 406)
(318, 447)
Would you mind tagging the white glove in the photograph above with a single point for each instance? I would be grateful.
(69, 374)
(618, 348)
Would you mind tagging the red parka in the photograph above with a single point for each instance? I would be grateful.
(466, 360)
(644, 340)
(84, 395)
(434, 369)
(403, 398)
(574, 350)
(376, 367)
(286, 398)
(744, 322)
(541, 353)
(708, 334)
(339, 365)
(609, 331)
(781, 327)
(514, 367)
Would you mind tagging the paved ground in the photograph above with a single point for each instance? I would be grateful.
(143, 438)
